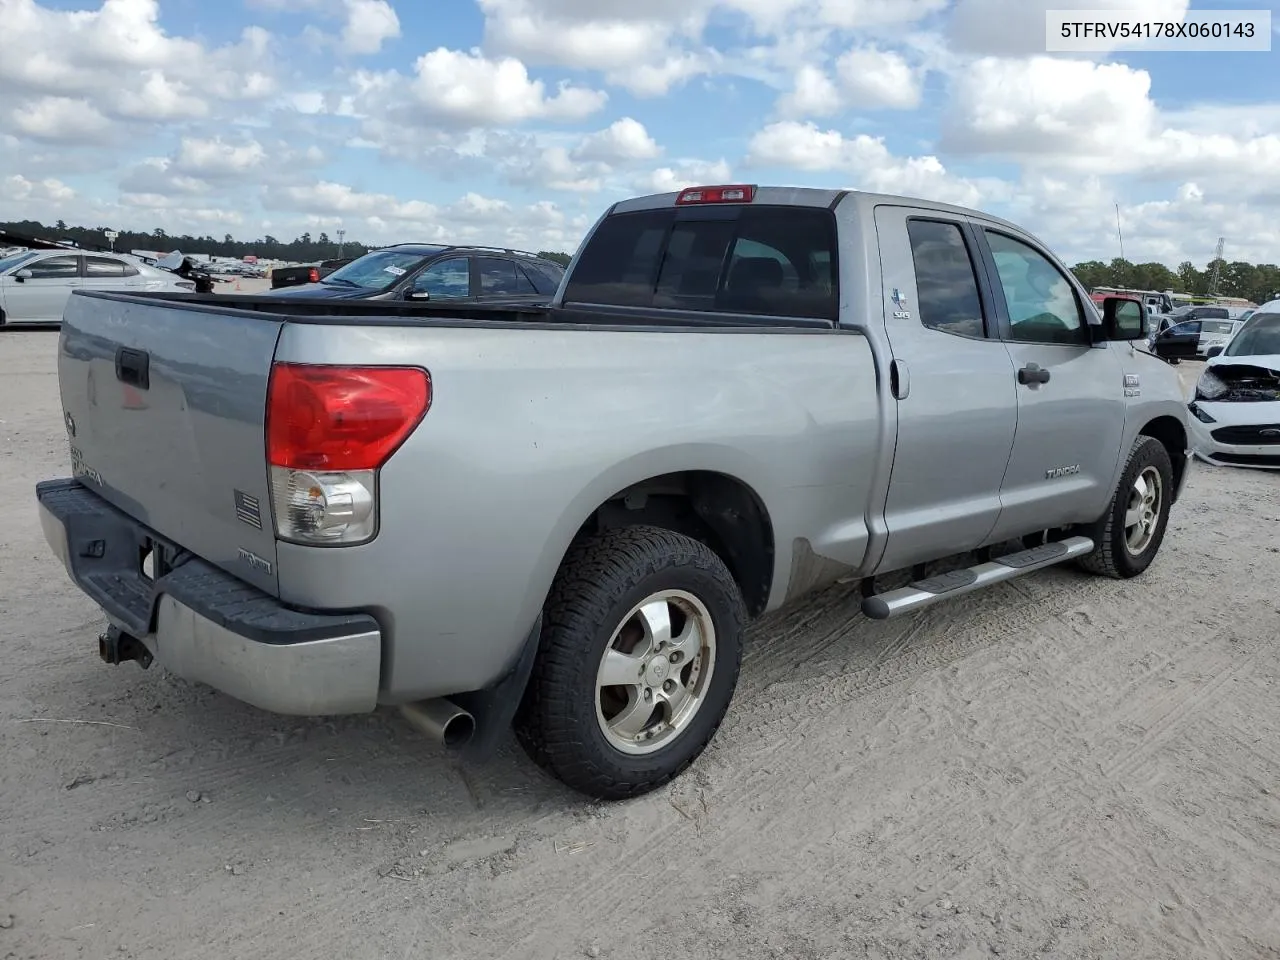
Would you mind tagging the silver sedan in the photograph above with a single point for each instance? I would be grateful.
(35, 285)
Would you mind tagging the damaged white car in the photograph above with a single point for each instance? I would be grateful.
(1236, 409)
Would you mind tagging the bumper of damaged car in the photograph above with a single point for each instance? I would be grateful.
(1236, 434)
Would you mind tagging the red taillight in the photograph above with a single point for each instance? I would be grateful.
(334, 418)
(734, 193)
(313, 275)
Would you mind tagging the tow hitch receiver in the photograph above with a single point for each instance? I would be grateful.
(115, 647)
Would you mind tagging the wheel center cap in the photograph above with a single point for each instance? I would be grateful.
(657, 671)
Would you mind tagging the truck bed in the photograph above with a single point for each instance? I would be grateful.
(517, 316)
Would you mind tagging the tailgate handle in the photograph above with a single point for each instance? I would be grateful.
(134, 368)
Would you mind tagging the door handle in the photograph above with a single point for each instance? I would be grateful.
(134, 368)
(1033, 373)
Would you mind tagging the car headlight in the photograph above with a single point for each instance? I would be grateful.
(1210, 387)
(1199, 413)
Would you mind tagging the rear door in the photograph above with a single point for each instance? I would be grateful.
(954, 387)
(108, 273)
(41, 297)
(1071, 392)
(499, 278)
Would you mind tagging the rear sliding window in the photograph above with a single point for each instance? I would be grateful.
(768, 261)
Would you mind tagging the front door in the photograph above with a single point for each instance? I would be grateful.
(955, 392)
(1071, 392)
(41, 297)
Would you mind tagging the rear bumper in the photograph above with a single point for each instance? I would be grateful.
(204, 624)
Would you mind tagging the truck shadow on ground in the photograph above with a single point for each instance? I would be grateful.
(180, 740)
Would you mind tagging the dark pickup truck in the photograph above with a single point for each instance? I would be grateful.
(305, 273)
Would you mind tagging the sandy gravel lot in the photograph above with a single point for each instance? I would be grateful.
(1061, 767)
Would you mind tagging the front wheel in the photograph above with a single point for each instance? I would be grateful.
(638, 660)
(1128, 536)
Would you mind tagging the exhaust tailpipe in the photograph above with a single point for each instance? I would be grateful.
(442, 720)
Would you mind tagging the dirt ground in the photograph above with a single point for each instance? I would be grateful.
(1061, 766)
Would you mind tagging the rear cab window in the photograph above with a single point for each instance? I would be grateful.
(766, 260)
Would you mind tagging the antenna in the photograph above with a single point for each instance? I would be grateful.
(1118, 233)
(342, 233)
(1217, 268)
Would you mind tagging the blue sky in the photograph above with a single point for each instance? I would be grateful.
(518, 121)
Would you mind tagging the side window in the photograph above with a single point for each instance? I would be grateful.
(445, 279)
(500, 277)
(1042, 304)
(55, 268)
(544, 280)
(946, 283)
(104, 267)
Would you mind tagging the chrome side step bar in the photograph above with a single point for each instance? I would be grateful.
(931, 590)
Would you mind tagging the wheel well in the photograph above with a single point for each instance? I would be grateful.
(1174, 438)
(714, 508)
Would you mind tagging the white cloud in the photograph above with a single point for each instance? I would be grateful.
(369, 24)
(685, 173)
(866, 78)
(1056, 114)
(119, 62)
(623, 141)
(472, 89)
(864, 159)
(215, 157)
(61, 119)
(19, 189)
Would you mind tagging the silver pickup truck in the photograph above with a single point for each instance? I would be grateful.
(561, 518)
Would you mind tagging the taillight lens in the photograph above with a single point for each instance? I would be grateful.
(313, 275)
(329, 429)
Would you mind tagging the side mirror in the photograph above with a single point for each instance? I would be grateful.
(419, 295)
(22, 275)
(1213, 352)
(1124, 319)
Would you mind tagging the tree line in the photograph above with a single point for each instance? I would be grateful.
(1258, 282)
(303, 249)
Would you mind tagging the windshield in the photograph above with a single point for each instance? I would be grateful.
(1217, 326)
(10, 262)
(1257, 338)
(379, 269)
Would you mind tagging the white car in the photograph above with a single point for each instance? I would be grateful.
(35, 284)
(1236, 409)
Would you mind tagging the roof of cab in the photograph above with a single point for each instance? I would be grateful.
(816, 197)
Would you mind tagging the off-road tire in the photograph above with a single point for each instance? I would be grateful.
(601, 579)
(1111, 556)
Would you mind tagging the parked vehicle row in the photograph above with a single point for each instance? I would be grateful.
(562, 514)
(35, 284)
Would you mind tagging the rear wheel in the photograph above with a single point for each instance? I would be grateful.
(639, 656)
(1129, 534)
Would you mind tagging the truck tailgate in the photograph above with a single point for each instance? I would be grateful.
(165, 407)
